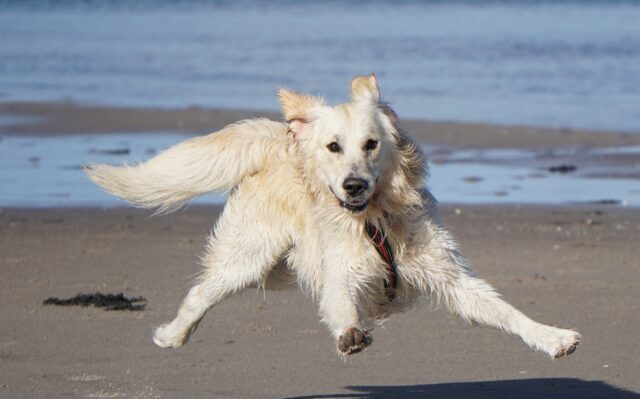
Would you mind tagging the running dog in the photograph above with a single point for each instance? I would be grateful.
(338, 195)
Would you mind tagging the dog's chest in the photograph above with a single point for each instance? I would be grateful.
(367, 259)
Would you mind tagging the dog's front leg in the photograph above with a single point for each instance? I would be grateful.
(338, 304)
(243, 249)
(444, 273)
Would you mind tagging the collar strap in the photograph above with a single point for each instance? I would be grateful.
(381, 244)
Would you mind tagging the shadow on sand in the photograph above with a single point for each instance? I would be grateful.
(540, 388)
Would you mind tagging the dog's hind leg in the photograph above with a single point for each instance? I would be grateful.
(241, 252)
(444, 273)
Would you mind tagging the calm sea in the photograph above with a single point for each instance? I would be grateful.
(553, 63)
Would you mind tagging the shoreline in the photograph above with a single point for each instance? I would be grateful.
(66, 118)
(47, 144)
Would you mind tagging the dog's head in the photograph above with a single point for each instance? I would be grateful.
(348, 146)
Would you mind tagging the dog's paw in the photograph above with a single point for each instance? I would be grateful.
(569, 343)
(165, 336)
(353, 341)
(557, 342)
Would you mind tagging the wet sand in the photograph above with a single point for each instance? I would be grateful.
(569, 266)
(69, 118)
(501, 164)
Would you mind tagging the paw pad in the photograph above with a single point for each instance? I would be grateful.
(353, 341)
(569, 349)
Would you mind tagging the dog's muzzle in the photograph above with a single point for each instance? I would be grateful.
(354, 207)
(355, 188)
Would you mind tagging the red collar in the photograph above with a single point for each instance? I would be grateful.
(381, 244)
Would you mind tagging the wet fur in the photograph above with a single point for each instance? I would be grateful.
(285, 195)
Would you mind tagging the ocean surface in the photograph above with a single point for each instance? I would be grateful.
(543, 63)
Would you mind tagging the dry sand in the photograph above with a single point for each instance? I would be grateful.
(567, 266)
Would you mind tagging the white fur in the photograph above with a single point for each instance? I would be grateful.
(286, 190)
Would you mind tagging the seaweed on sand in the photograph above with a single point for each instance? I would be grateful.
(100, 300)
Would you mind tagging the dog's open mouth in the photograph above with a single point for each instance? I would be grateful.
(355, 207)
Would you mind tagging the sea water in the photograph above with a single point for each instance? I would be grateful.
(48, 172)
(544, 63)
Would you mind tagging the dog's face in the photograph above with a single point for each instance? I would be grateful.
(347, 148)
(347, 144)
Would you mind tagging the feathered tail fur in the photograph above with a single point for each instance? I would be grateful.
(216, 162)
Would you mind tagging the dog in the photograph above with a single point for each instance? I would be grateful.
(338, 195)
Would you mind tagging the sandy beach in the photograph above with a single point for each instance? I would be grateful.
(527, 112)
(571, 266)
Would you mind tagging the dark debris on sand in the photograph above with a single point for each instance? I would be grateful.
(100, 300)
(562, 168)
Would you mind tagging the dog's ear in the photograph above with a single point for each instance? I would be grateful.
(295, 105)
(365, 88)
(296, 109)
(298, 127)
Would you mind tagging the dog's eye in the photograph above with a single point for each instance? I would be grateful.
(333, 147)
(370, 145)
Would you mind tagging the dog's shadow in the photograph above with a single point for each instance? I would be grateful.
(539, 388)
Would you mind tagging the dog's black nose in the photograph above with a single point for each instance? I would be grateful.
(354, 186)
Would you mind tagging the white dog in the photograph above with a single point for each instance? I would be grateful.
(338, 194)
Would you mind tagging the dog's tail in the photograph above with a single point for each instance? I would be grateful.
(216, 162)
